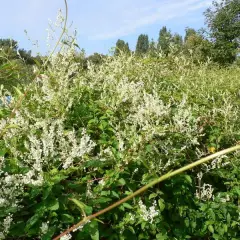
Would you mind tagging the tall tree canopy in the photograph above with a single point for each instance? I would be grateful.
(10, 49)
(142, 44)
(177, 41)
(8, 43)
(223, 20)
(189, 32)
(121, 46)
(164, 40)
(152, 50)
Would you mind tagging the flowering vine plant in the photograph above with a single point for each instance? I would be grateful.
(82, 139)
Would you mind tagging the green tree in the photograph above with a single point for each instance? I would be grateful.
(26, 56)
(189, 32)
(9, 48)
(196, 45)
(152, 50)
(121, 46)
(142, 44)
(8, 43)
(223, 21)
(96, 58)
(164, 40)
(177, 39)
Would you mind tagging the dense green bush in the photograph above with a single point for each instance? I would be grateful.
(13, 70)
(82, 140)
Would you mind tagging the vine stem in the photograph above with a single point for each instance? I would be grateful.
(149, 185)
(63, 31)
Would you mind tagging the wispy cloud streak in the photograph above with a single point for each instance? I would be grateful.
(154, 12)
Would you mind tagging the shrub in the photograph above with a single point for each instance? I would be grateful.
(84, 139)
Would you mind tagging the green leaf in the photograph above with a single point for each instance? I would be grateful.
(49, 233)
(159, 236)
(216, 236)
(225, 227)
(131, 229)
(18, 92)
(2, 152)
(47, 190)
(115, 194)
(193, 224)
(102, 200)
(18, 228)
(105, 193)
(127, 205)
(228, 218)
(121, 182)
(153, 195)
(85, 210)
(186, 221)
(80, 205)
(93, 230)
(98, 220)
(210, 228)
(161, 204)
(143, 224)
(34, 219)
(52, 204)
(66, 218)
(188, 179)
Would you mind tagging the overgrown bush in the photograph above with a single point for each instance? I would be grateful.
(81, 140)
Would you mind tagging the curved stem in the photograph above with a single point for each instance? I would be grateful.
(144, 188)
(63, 31)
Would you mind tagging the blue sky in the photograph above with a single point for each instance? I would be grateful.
(99, 23)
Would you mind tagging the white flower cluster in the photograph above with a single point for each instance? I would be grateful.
(219, 162)
(205, 192)
(149, 113)
(147, 110)
(36, 137)
(5, 226)
(132, 90)
(150, 214)
(186, 123)
(66, 237)
(44, 227)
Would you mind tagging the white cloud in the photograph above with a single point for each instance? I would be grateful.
(141, 14)
(95, 19)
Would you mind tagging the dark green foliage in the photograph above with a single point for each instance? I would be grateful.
(152, 50)
(96, 59)
(8, 43)
(195, 99)
(11, 51)
(177, 40)
(64, 197)
(224, 25)
(197, 46)
(189, 32)
(26, 56)
(15, 64)
(164, 40)
(121, 46)
(142, 45)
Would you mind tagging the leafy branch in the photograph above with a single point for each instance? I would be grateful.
(146, 187)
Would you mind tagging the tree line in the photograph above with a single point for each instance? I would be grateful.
(220, 40)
